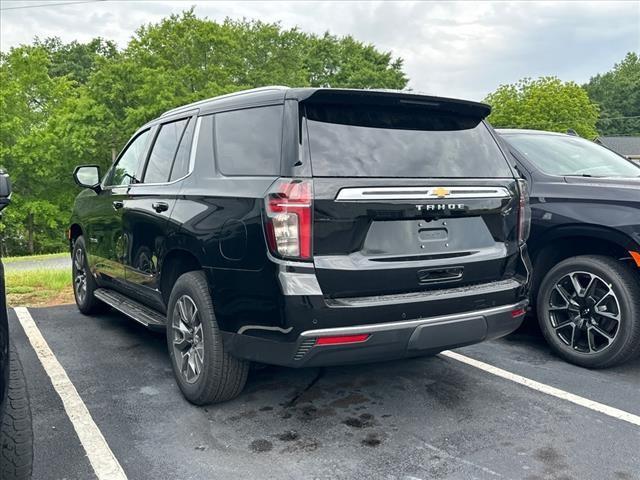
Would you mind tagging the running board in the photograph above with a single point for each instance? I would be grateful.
(136, 310)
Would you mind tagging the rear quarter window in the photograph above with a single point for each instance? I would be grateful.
(371, 141)
(249, 141)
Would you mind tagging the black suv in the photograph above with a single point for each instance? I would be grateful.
(585, 245)
(305, 227)
(16, 434)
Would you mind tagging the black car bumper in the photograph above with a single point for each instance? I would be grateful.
(383, 341)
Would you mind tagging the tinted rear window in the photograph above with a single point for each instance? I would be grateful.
(366, 141)
(248, 141)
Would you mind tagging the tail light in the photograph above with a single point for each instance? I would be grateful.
(524, 212)
(288, 226)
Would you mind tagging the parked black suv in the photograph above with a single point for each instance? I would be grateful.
(16, 434)
(305, 227)
(585, 245)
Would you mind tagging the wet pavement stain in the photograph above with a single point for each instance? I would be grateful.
(371, 440)
(349, 400)
(306, 445)
(307, 413)
(288, 436)
(260, 446)
(363, 421)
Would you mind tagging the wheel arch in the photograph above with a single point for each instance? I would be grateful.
(175, 263)
(575, 240)
(75, 230)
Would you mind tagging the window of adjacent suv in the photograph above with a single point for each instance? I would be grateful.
(378, 141)
(565, 155)
(125, 170)
(166, 151)
(248, 142)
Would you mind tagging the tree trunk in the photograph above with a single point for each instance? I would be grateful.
(113, 154)
(30, 233)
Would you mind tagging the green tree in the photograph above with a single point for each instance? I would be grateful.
(76, 60)
(617, 93)
(29, 98)
(546, 103)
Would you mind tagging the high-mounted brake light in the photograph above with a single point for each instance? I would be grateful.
(524, 212)
(289, 208)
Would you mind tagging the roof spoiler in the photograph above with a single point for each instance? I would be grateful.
(395, 98)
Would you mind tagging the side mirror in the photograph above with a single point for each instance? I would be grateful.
(87, 176)
(5, 190)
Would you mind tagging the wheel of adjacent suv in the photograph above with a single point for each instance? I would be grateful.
(589, 311)
(16, 434)
(205, 372)
(83, 282)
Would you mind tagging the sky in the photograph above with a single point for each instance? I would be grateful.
(455, 49)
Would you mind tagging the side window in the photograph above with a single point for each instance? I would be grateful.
(164, 151)
(124, 172)
(181, 162)
(248, 142)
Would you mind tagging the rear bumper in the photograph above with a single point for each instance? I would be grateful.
(386, 341)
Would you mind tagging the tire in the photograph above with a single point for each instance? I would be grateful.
(570, 326)
(221, 376)
(85, 300)
(16, 434)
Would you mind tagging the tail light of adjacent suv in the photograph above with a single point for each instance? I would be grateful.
(524, 212)
(288, 226)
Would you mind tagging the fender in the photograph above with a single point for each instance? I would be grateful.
(584, 230)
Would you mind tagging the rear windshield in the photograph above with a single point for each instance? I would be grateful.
(372, 141)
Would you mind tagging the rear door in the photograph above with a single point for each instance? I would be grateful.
(408, 198)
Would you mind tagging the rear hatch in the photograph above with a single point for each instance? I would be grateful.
(408, 196)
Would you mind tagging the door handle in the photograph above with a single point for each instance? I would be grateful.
(160, 206)
(118, 204)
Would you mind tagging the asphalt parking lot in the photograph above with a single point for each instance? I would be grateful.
(415, 419)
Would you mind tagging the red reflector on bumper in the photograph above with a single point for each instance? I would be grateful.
(341, 340)
(636, 257)
(518, 313)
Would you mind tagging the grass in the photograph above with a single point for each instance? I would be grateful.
(39, 287)
(45, 256)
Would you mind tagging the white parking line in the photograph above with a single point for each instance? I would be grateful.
(103, 461)
(541, 387)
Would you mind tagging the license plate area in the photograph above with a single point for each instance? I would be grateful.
(439, 275)
(446, 237)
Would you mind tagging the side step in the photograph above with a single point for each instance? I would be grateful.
(137, 311)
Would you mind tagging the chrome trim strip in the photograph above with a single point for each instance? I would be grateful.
(381, 327)
(419, 193)
(299, 283)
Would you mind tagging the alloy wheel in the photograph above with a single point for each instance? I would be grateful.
(188, 345)
(80, 275)
(584, 312)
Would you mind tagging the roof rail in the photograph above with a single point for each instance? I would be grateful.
(228, 95)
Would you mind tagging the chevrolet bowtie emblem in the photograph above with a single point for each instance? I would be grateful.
(440, 192)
